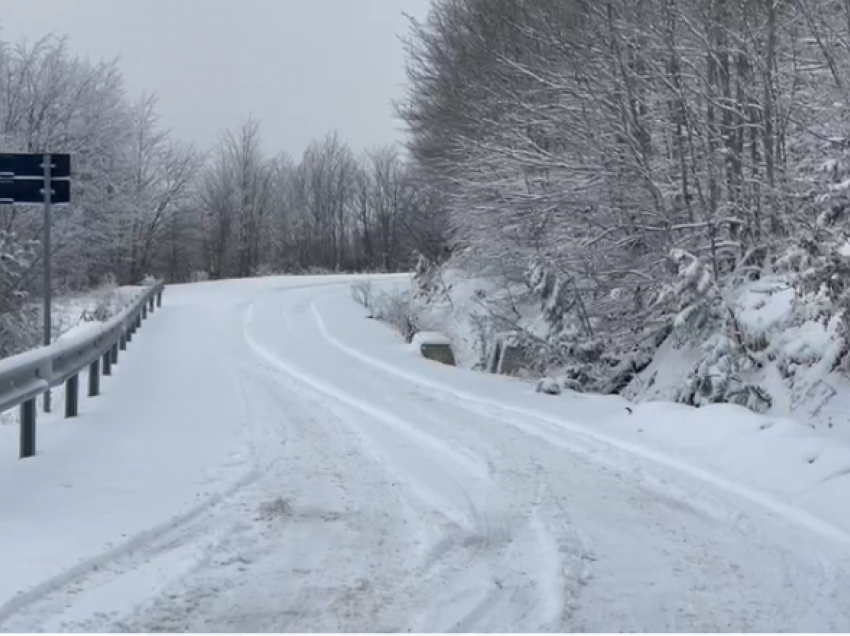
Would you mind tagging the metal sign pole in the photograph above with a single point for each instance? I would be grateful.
(48, 274)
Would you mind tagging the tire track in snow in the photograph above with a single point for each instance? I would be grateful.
(470, 518)
(554, 430)
(31, 606)
(57, 593)
(327, 553)
(477, 470)
(169, 610)
(472, 559)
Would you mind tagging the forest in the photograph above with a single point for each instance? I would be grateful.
(633, 164)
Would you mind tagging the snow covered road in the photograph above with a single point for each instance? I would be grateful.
(291, 467)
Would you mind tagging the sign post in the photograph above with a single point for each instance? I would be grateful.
(47, 265)
(38, 179)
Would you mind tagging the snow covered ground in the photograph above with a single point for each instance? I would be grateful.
(267, 459)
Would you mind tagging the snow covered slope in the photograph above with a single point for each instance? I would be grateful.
(271, 460)
(793, 338)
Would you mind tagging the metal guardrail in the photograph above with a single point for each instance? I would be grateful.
(24, 377)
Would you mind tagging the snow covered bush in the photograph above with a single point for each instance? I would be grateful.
(199, 276)
(717, 377)
(692, 298)
(107, 303)
(703, 318)
(362, 292)
(397, 309)
(580, 344)
(428, 281)
(823, 283)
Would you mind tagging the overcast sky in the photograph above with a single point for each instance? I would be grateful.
(300, 66)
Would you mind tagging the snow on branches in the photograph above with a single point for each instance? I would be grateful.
(17, 332)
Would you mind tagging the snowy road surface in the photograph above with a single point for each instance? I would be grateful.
(269, 460)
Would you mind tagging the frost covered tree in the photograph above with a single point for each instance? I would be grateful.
(157, 174)
(18, 328)
(693, 298)
(54, 101)
(329, 210)
(234, 197)
(597, 138)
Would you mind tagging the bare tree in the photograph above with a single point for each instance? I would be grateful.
(159, 174)
(235, 196)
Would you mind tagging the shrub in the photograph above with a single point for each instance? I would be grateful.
(362, 293)
(396, 309)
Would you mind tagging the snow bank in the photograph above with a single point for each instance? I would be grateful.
(772, 460)
(795, 347)
(549, 386)
(775, 455)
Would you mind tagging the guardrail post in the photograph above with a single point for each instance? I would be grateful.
(72, 396)
(94, 378)
(159, 298)
(139, 319)
(28, 411)
(122, 343)
(107, 362)
(152, 305)
(113, 353)
(144, 313)
(128, 337)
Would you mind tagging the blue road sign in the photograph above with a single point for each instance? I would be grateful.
(16, 165)
(32, 191)
(23, 178)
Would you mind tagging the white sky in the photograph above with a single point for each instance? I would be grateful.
(302, 67)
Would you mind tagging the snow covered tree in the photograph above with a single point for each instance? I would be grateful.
(597, 138)
(18, 320)
(717, 377)
(156, 175)
(693, 298)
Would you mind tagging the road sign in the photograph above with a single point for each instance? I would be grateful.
(32, 191)
(32, 165)
(38, 178)
(22, 178)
